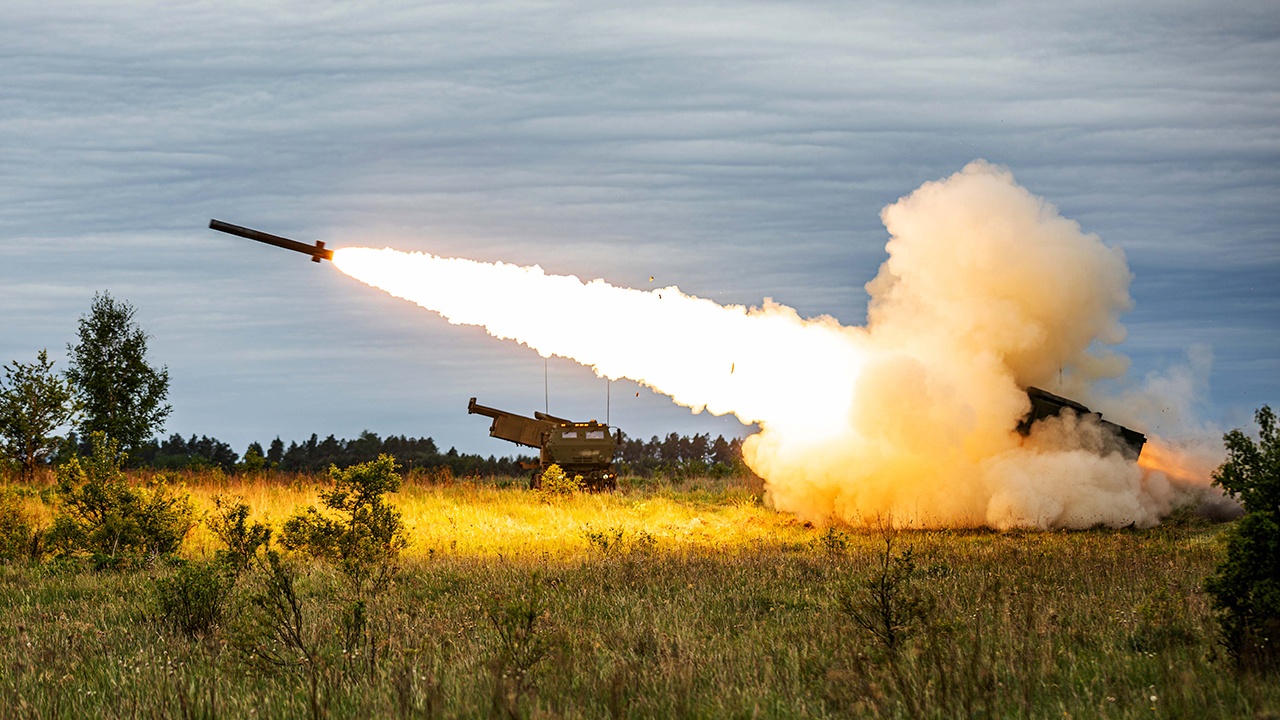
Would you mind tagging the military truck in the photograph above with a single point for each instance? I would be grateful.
(1045, 404)
(583, 449)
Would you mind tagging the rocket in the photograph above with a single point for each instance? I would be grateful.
(317, 252)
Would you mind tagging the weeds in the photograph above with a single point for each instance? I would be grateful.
(616, 541)
(739, 616)
(1161, 623)
(519, 622)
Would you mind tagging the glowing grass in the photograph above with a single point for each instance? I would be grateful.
(659, 601)
(486, 520)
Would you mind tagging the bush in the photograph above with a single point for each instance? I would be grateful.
(367, 533)
(192, 599)
(556, 482)
(1246, 588)
(833, 541)
(117, 525)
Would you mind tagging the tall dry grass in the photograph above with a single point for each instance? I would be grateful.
(660, 601)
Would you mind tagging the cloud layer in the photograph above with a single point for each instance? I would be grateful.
(738, 151)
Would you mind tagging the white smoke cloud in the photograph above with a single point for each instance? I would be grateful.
(986, 290)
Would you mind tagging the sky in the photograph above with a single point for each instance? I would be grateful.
(740, 151)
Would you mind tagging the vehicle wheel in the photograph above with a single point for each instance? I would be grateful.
(535, 481)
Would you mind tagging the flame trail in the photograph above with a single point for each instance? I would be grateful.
(986, 290)
(702, 354)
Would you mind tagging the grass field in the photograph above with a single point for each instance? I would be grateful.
(656, 601)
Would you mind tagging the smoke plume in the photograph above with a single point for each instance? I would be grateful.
(910, 419)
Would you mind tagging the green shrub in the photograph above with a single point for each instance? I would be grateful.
(1246, 587)
(556, 482)
(361, 532)
(607, 542)
(192, 598)
(615, 541)
(101, 515)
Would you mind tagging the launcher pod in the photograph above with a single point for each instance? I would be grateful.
(1045, 404)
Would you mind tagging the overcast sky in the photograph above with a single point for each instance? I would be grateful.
(737, 150)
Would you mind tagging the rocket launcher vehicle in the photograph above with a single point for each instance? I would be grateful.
(584, 449)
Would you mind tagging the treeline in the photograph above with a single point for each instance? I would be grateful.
(675, 454)
(316, 455)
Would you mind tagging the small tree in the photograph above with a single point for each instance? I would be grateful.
(34, 403)
(1246, 586)
(889, 605)
(123, 396)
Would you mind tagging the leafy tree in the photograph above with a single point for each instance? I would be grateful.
(34, 402)
(122, 394)
(1246, 587)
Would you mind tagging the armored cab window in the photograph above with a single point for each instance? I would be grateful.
(569, 434)
(595, 434)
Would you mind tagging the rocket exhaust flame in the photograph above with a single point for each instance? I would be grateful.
(702, 354)
(986, 290)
